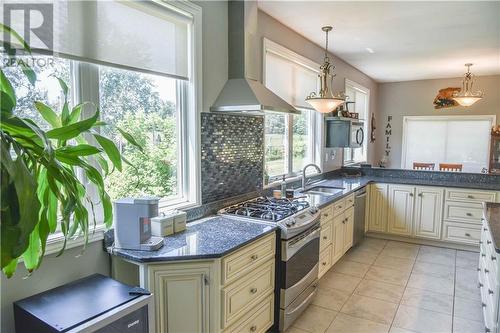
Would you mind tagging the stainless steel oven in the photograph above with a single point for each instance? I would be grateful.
(299, 273)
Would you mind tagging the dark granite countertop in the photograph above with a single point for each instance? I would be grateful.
(351, 184)
(492, 216)
(208, 238)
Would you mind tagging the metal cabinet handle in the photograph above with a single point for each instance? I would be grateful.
(493, 258)
(488, 242)
(324, 237)
(467, 234)
(468, 214)
(479, 269)
(483, 255)
(254, 257)
(470, 197)
(486, 329)
(253, 290)
(483, 305)
(480, 285)
(325, 214)
(323, 263)
(480, 242)
(339, 207)
(420, 194)
(486, 271)
(253, 328)
(411, 194)
(485, 229)
(490, 292)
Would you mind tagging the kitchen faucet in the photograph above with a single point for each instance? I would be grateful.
(304, 179)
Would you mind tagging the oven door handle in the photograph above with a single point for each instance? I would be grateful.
(305, 301)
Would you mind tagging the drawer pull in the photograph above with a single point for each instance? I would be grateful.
(420, 194)
(485, 229)
(467, 234)
(325, 214)
(468, 214)
(488, 242)
(487, 330)
(486, 271)
(483, 255)
(254, 257)
(479, 269)
(480, 242)
(253, 328)
(490, 291)
(253, 290)
(480, 285)
(470, 197)
(324, 237)
(493, 258)
(323, 263)
(411, 194)
(339, 207)
(483, 305)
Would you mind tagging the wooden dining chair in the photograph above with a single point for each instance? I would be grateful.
(423, 166)
(450, 167)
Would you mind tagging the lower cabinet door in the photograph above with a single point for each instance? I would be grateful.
(376, 216)
(338, 237)
(349, 228)
(400, 215)
(181, 298)
(428, 212)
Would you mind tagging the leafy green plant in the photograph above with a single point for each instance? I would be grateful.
(42, 172)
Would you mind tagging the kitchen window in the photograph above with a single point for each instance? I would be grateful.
(361, 97)
(289, 145)
(150, 88)
(461, 140)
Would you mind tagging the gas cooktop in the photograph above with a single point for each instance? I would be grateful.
(269, 209)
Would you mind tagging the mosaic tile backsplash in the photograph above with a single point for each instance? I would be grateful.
(232, 155)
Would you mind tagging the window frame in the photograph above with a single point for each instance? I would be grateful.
(491, 118)
(356, 86)
(85, 83)
(314, 118)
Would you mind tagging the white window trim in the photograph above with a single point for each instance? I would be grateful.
(192, 138)
(315, 118)
(366, 122)
(491, 118)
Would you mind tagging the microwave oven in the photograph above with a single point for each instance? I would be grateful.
(344, 133)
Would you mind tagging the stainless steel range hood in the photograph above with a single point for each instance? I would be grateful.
(243, 92)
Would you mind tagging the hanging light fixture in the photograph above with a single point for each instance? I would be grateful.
(325, 101)
(466, 96)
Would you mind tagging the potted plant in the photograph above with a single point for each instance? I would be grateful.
(41, 190)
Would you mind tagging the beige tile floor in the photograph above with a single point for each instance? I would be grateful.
(387, 286)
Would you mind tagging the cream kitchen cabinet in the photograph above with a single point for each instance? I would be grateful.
(400, 214)
(337, 228)
(376, 215)
(428, 212)
(234, 293)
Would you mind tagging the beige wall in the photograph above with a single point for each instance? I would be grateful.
(414, 98)
(272, 29)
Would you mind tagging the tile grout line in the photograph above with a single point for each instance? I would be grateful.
(406, 286)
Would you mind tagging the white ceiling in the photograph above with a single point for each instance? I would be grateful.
(410, 40)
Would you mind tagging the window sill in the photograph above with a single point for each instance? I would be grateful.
(55, 241)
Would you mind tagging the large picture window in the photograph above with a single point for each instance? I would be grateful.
(448, 139)
(152, 95)
(289, 145)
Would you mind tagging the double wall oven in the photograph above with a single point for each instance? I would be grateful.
(299, 226)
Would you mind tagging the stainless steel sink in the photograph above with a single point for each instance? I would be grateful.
(323, 190)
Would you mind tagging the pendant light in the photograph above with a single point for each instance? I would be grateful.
(466, 96)
(325, 101)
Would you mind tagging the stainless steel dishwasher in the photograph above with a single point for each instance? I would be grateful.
(359, 215)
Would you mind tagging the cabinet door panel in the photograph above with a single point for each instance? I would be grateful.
(349, 228)
(338, 237)
(377, 210)
(400, 215)
(428, 212)
(182, 298)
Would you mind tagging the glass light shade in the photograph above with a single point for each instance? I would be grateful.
(466, 100)
(324, 105)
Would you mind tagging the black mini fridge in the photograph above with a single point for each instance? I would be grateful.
(93, 304)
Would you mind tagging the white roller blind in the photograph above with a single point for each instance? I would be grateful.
(137, 35)
(290, 80)
(446, 140)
